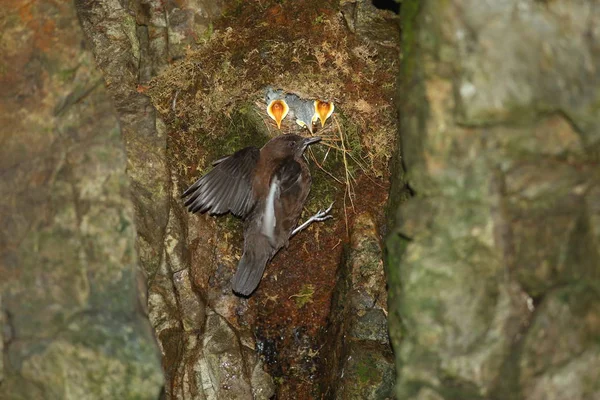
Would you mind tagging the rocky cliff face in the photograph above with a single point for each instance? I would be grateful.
(188, 79)
(203, 354)
(493, 265)
(72, 325)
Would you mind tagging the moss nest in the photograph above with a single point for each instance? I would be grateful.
(213, 100)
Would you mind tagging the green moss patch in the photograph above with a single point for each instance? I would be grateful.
(213, 100)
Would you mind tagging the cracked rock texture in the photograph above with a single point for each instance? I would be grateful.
(360, 360)
(204, 332)
(95, 241)
(203, 355)
(493, 265)
(72, 325)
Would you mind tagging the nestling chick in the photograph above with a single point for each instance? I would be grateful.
(277, 108)
(302, 110)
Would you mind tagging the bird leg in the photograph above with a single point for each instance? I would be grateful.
(318, 217)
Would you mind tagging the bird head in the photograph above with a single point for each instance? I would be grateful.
(305, 115)
(277, 109)
(289, 145)
(323, 110)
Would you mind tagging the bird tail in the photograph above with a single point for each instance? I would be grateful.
(252, 265)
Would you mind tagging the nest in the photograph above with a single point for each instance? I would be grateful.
(214, 97)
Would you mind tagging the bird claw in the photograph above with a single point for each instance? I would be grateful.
(321, 215)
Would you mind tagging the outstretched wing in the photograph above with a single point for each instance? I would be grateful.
(227, 187)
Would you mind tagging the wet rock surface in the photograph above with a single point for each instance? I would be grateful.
(203, 356)
(493, 264)
(108, 244)
(359, 359)
(215, 344)
(72, 322)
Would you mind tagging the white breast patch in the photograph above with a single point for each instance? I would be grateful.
(269, 220)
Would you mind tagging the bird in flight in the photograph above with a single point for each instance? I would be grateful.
(266, 187)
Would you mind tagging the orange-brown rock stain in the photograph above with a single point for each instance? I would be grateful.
(289, 322)
(302, 47)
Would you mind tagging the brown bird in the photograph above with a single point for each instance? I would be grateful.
(267, 188)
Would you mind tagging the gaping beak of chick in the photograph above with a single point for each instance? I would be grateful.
(278, 109)
(304, 125)
(324, 110)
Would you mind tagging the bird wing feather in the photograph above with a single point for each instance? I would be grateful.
(288, 174)
(227, 187)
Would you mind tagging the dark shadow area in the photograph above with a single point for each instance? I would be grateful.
(389, 5)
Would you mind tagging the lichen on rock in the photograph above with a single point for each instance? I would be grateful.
(499, 140)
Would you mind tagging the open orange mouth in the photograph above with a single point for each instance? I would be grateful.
(324, 110)
(278, 109)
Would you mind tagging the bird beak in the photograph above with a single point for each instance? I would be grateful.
(310, 127)
(310, 140)
(302, 124)
(278, 109)
(324, 110)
